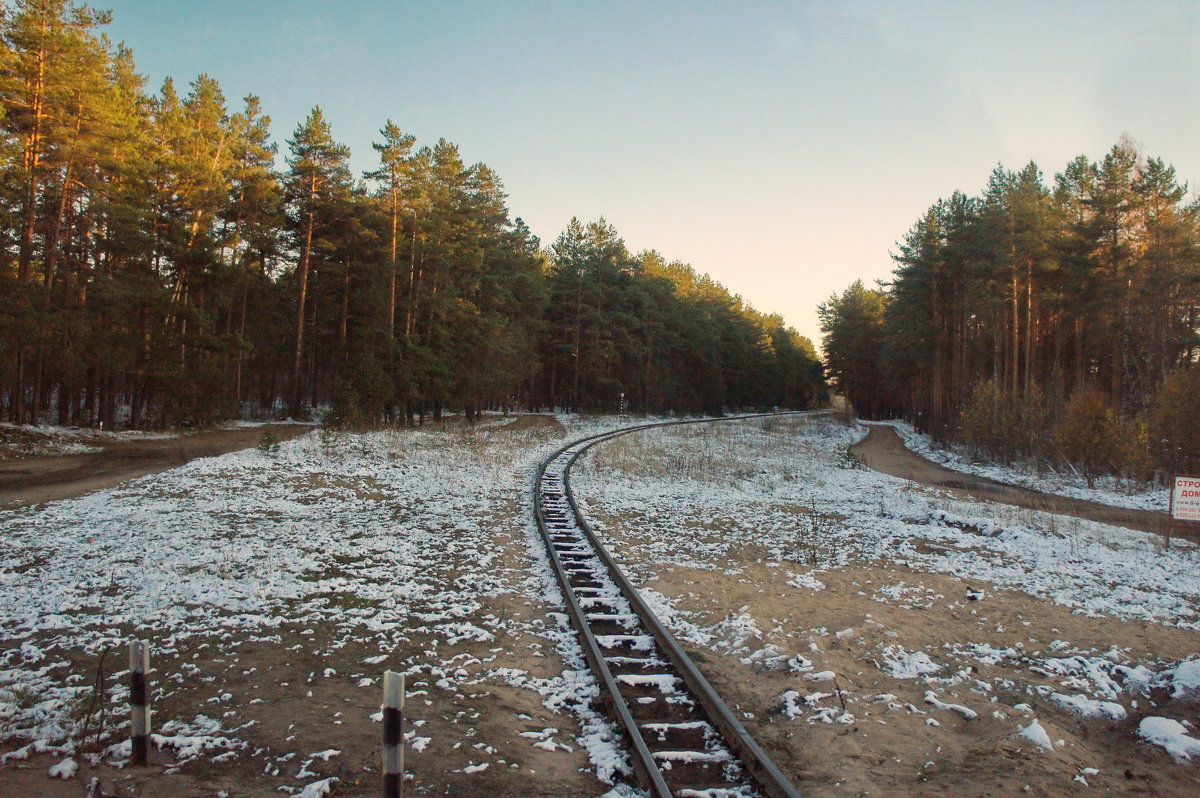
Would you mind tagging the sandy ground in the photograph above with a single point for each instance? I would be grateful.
(883, 450)
(891, 750)
(292, 694)
(899, 745)
(33, 480)
(298, 694)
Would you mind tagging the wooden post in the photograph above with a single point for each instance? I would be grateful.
(139, 699)
(1171, 511)
(393, 736)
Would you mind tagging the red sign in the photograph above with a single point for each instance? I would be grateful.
(1185, 498)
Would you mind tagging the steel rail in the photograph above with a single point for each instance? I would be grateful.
(643, 761)
(757, 763)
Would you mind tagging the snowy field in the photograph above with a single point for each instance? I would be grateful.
(1109, 490)
(288, 581)
(837, 598)
(917, 637)
(740, 468)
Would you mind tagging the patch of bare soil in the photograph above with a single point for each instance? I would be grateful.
(538, 422)
(33, 480)
(884, 451)
(898, 744)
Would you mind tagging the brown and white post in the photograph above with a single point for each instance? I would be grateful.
(393, 736)
(139, 700)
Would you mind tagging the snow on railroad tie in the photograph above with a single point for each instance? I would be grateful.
(587, 602)
(687, 725)
(741, 791)
(689, 757)
(662, 729)
(626, 619)
(665, 682)
(636, 642)
(647, 661)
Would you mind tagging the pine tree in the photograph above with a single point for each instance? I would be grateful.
(392, 177)
(252, 219)
(318, 175)
(852, 325)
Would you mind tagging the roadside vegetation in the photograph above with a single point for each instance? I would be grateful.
(1058, 325)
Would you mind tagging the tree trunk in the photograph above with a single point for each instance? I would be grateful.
(392, 242)
(241, 350)
(343, 325)
(1014, 362)
(33, 162)
(302, 296)
(1028, 327)
(412, 283)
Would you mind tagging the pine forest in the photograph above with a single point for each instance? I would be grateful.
(1058, 323)
(164, 262)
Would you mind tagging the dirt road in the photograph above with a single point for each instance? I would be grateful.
(33, 480)
(884, 451)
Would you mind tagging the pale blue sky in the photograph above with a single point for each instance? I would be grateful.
(782, 147)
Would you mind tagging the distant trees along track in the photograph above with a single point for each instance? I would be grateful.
(681, 737)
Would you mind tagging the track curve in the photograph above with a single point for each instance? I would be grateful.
(683, 740)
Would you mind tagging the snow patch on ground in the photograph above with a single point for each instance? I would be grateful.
(1090, 708)
(1171, 735)
(1185, 680)
(901, 664)
(1035, 734)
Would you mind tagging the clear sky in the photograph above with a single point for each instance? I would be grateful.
(781, 147)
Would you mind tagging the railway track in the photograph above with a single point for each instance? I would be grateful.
(681, 737)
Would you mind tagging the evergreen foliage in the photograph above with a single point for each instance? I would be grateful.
(156, 269)
(1013, 316)
(853, 327)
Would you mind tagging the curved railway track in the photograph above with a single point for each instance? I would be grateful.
(681, 737)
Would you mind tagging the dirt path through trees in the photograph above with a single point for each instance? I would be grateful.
(32, 480)
(884, 451)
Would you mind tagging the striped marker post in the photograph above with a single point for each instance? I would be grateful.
(139, 695)
(393, 738)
